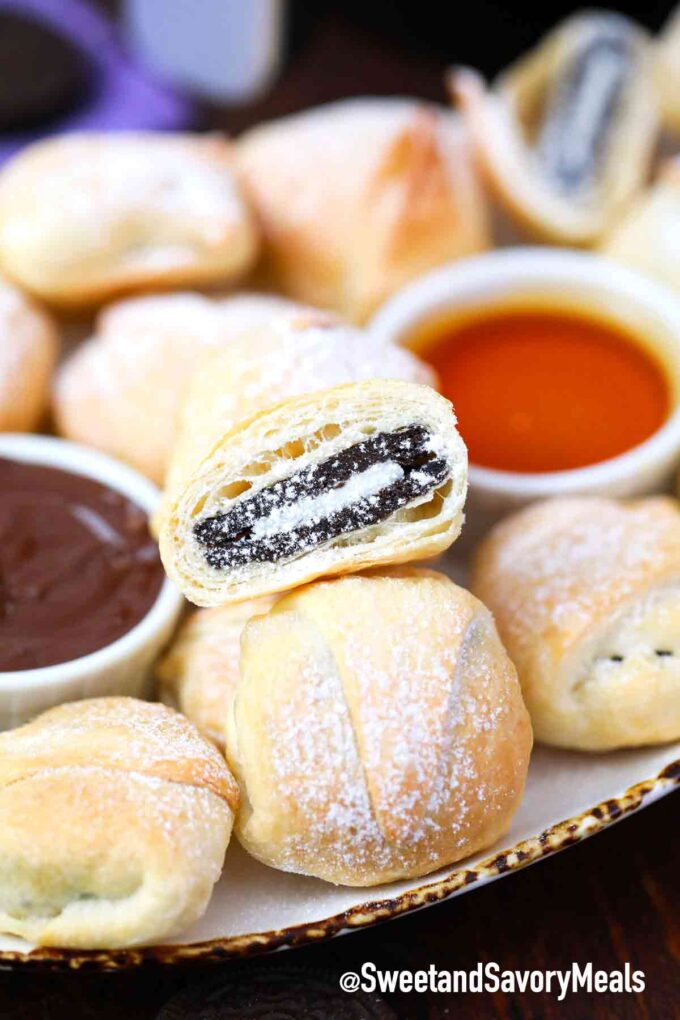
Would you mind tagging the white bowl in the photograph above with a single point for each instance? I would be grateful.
(562, 279)
(123, 667)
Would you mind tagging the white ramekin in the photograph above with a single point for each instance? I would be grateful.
(562, 279)
(123, 667)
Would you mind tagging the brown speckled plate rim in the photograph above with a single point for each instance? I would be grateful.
(557, 837)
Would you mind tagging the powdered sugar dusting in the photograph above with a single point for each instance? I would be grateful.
(118, 733)
(200, 672)
(110, 193)
(408, 701)
(317, 772)
(361, 486)
(559, 565)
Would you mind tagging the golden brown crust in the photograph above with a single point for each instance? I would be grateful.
(28, 351)
(667, 72)
(114, 819)
(167, 205)
(122, 390)
(506, 124)
(358, 197)
(586, 593)
(199, 672)
(646, 237)
(378, 731)
(121, 734)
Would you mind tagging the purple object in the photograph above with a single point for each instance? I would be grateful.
(122, 96)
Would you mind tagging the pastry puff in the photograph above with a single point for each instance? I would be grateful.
(115, 816)
(586, 595)
(648, 236)
(84, 217)
(298, 350)
(199, 672)
(566, 135)
(336, 481)
(378, 730)
(122, 390)
(358, 197)
(28, 351)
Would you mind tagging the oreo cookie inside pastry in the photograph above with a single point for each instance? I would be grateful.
(586, 596)
(566, 135)
(348, 478)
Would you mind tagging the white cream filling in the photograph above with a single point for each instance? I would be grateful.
(315, 508)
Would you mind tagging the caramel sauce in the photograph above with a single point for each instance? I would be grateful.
(542, 390)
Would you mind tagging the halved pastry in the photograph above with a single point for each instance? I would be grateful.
(342, 479)
(378, 730)
(115, 816)
(298, 350)
(648, 236)
(199, 672)
(122, 389)
(566, 135)
(586, 596)
(84, 217)
(357, 197)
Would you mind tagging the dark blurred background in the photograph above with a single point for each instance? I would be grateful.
(487, 35)
(111, 64)
(339, 48)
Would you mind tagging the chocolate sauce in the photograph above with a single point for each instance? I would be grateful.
(231, 539)
(78, 568)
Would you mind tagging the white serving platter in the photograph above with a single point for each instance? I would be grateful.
(255, 909)
(569, 796)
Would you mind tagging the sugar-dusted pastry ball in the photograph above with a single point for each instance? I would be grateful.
(586, 595)
(378, 730)
(199, 672)
(114, 818)
(28, 350)
(84, 217)
(356, 198)
(122, 390)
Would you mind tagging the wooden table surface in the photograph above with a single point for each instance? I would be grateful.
(609, 900)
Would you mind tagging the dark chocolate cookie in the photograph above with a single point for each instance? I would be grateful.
(229, 539)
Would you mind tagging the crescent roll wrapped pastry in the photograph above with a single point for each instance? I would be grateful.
(114, 818)
(360, 196)
(28, 351)
(339, 480)
(378, 730)
(122, 212)
(199, 673)
(122, 390)
(648, 236)
(586, 595)
(566, 135)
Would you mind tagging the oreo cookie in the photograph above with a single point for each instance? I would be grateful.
(253, 532)
(275, 993)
